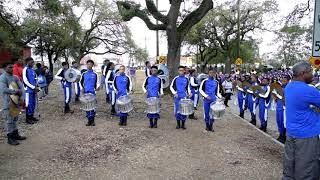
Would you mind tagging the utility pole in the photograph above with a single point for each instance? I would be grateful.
(157, 35)
(238, 24)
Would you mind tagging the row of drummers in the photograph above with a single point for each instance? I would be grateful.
(119, 86)
(252, 94)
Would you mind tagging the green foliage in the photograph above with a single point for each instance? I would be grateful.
(294, 44)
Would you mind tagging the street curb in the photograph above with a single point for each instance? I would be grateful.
(255, 127)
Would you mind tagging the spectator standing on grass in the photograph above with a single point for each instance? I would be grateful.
(18, 68)
(302, 147)
(49, 78)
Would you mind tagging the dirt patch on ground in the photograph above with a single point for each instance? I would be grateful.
(62, 147)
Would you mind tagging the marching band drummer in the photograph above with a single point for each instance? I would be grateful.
(30, 87)
(67, 89)
(109, 74)
(10, 122)
(180, 88)
(76, 84)
(209, 89)
(280, 109)
(89, 84)
(122, 86)
(264, 103)
(153, 87)
(194, 85)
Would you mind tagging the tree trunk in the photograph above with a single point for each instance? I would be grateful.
(228, 64)
(173, 56)
(50, 62)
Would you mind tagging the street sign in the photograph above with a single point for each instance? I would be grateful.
(162, 59)
(315, 62)
(239, 62)
(316, 31)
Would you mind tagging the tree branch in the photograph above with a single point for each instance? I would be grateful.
(194, 17)
(128, 10)
(155, 12)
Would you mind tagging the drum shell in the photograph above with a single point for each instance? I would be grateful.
(186, 107)
(153, 105)
(217, 109)
(124, 104)
(88, 102)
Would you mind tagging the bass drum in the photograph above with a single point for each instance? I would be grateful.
(202, 77)
(186, 107)
(72, 75)
(165, 81)
(124, 104)
(88, 101)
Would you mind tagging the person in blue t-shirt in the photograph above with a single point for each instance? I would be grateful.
(302, 147)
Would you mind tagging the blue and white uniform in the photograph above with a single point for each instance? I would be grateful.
(122, 86)
(89, 84)
(30, 82)
(109, 74)
(76, 86)
(180, 85)
(67, 88)
(209, 87)
(280, 112)
(147, 72)
(264, 105)
(252, 102)
(153, 87)
(241, 99)
(194, 86)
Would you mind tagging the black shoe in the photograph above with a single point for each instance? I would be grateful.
(207, 127)
(76, 99)
(151, 123)
(125, 121)
(211, 127)
(12, 140)
(16, 135)
(67, 109)
(182, 126)
(121, 121)
(192, 117)
(253, 122)
(34, 119)
(29, 120)
(242, 115)
(178, 124)
(155, 123)
(89, 122)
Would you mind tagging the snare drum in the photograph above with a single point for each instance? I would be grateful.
(217, 109)
(124, 104)
(186, 107)
(88, 102)
(153, 105)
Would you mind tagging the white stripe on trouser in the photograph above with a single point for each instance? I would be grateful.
(284, 118)
(67, 94)
(266, 114)
(76, 88)
(107, 88)
(27, 99)
(254, 108)
(243, 104)
(195, 100)
(113, 97)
